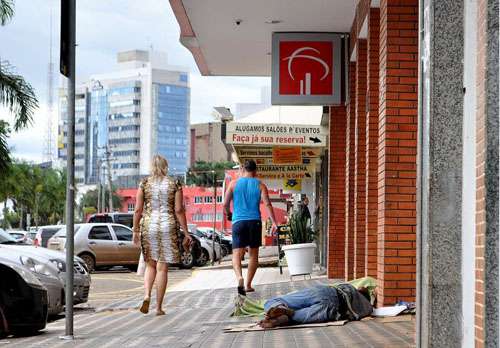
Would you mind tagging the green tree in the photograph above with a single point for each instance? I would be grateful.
(90, 199)
(15, 93)
(40, 192)
(201, 173)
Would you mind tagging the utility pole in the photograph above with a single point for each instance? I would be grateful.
(110, 187)
(67, 68)
(99, 187)
(214, 182)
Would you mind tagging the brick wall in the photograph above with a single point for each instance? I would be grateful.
(360, 161)
(349, 177)
(337, 193)
(396, 272)
(371, 142)
(480, 174)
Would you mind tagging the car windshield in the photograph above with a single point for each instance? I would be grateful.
(126, 219)
(62, 231)
(6, 238)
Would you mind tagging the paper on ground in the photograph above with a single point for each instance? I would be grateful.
(388, 311)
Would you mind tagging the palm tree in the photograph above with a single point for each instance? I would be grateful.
(15, 93)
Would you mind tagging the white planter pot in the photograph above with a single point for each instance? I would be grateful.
(300, 258)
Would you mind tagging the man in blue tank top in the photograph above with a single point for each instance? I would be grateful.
(246, 193)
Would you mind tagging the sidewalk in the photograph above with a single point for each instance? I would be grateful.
(196, 318)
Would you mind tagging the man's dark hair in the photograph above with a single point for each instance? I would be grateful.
(250, 166)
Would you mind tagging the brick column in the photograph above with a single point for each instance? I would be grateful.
(360, 162)
(371, 144)
(337, 193)
(396, 273)
(349, 177)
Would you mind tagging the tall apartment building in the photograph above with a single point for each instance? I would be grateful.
(129, 115)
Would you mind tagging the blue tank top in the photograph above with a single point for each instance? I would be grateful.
(246, 200)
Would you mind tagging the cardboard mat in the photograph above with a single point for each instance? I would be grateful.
(255, 327)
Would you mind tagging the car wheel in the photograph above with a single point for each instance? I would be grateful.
(187, 259)
(204, 257)
(225, 250)
(132, 268)
(89, 261)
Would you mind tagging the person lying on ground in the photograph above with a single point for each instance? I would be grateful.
(318, 304)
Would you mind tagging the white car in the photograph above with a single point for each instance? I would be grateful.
(207, 251)
(20, 236)
(44, 233)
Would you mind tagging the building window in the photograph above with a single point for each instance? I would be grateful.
(183, 78)
(219, 199)
(131, 207)
(198, 200)
(208, 199)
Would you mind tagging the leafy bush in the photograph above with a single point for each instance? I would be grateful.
(300, 231)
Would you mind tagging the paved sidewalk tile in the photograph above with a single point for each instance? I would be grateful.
(197, 319)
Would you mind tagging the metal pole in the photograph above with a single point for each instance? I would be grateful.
(70, 188)
(110, 187)
(215, 215)
(99, 186)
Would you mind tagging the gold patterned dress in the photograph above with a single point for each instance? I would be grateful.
(159, 238)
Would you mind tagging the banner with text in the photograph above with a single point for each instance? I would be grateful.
(257, 152)
(275, 134)
(285, 172)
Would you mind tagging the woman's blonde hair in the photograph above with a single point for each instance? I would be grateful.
(159, 166)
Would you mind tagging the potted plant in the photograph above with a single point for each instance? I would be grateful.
(300, 254)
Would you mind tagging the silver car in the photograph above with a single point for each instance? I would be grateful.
(46, 273)
(57, 259)
(101, 245)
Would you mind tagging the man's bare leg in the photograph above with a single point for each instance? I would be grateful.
(253, 263)
(237, 266)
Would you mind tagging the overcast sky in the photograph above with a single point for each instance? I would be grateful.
(105, 27)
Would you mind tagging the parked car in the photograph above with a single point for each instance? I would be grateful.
(44, 233)
(225, 240)
(46, 272)
(101, 245)
(20, 236)
(23, 300)
(207, 248)
(58, 259)
(126, 219)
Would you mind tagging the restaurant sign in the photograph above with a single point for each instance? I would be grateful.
(275, 134)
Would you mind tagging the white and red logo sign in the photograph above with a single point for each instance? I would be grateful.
(306, 68)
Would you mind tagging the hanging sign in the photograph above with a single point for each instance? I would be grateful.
(306, 68)
(256, 152)
(275, 134)
(292, 185)
(285, 172)
(287, 155)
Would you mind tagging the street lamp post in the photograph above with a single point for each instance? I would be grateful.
(214, 182)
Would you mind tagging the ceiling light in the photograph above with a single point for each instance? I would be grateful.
(273, 21)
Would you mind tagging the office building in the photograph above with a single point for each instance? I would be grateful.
(129, 115)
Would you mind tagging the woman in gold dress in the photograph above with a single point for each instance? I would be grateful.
(159, 211)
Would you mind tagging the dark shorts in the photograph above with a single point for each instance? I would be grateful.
(247, 233)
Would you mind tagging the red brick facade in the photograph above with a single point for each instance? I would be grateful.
(480, 174)
(360, 162)
(398, 104)
(337, 193)
(349, 177)
(378, 229)
(372, 141)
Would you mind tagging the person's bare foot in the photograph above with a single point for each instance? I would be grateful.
(249, 289)
(160, 312)
(270, 323)
(145, 305)
(241, 288)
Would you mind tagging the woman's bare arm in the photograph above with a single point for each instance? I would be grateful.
(180, 213)
(139, 206)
